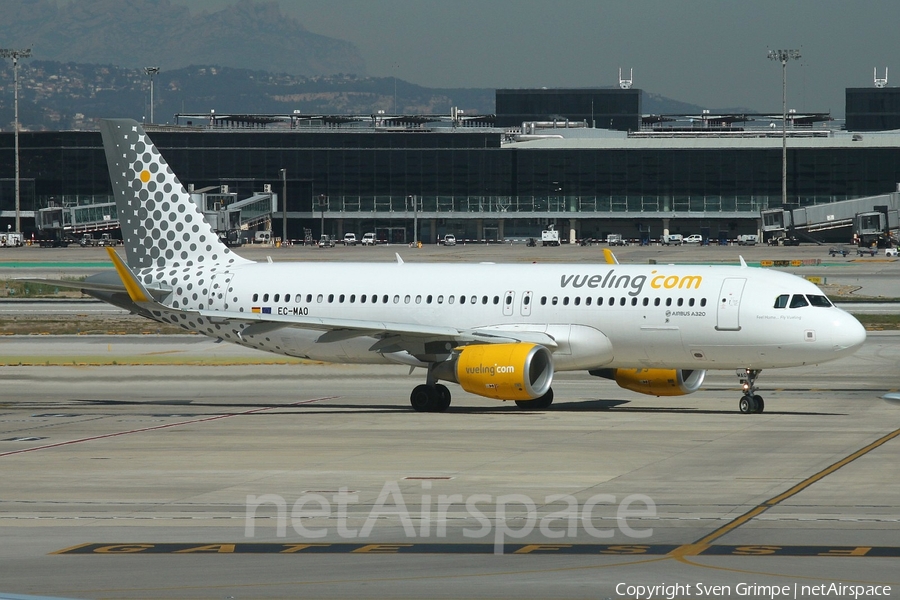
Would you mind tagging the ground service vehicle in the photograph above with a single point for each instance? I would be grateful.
(672, 239)
(550, 237)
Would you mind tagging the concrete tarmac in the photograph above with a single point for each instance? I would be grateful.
(143, 482)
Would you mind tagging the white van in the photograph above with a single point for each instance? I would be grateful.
(672, 239)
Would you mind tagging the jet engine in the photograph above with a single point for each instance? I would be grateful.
(517, 371)
(655, 382)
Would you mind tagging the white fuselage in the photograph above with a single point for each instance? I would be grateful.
(600, 315)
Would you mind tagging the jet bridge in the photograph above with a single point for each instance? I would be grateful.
(221, 209)
(228, 216)
(72, 220)
(863, 217)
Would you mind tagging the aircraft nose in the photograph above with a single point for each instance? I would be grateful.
(848, 334)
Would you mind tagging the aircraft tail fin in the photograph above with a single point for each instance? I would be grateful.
(161, 226)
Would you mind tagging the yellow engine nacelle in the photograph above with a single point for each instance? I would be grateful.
(504, 371)
(659, 382)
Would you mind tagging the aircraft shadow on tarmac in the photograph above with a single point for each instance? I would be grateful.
(331, 405)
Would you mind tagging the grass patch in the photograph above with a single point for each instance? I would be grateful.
(879, 322)
(150, 360)
(11, 288)
(86, 325)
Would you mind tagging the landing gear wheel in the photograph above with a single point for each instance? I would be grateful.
(538, 403)
(424, 398)
(750, 402)
(760, 404)
(443, 402)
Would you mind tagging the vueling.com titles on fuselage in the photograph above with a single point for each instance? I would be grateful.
(634, 284)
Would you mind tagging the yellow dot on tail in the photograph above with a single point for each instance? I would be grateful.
(145, 176)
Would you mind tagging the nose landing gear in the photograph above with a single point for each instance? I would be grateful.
(750, 402)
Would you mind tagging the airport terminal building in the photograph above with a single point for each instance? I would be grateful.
(585, 160)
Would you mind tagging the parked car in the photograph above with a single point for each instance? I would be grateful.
(449, 240)
(326, 241)
(349, 239)
(672, 239)
(890, 252)
(615, 239)
(694, 238)
(368, 239)
(748, 239)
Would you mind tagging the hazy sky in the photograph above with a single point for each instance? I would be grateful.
(707, 52)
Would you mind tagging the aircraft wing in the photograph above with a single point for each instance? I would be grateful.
(393, 337)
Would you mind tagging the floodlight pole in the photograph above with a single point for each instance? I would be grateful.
(784, 56)
(283, 206)
(415, 201)
(151, 71)
(15, 55)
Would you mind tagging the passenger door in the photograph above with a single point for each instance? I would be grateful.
(729, 311)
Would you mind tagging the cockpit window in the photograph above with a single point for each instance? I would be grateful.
(782, 301)
(820, 301)
(798, 301)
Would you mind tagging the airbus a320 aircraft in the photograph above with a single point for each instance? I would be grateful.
(498, 330)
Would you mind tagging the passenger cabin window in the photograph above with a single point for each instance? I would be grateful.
(255, 297)
(798, 301)
(782, 301)
(265, 297)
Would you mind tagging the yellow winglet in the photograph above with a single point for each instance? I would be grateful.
(135, 290)
(610, 257)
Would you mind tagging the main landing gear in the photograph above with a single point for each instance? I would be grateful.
(750, 402)
(430, 398)
(538, 403)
